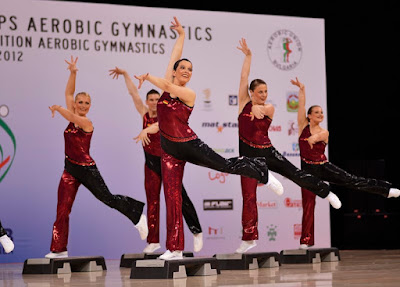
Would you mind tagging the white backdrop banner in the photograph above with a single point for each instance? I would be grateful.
(35, 39)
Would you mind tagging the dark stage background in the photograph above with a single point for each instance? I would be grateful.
(362, 64)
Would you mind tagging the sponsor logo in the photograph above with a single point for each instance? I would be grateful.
(272, 232)
(218, 204)
(224, 150)
(8, 145)
(295, 151)
(207, 104)
(293, 129)
(297, 231)
(289, 202)
(292, 102)
(233, 100)
(220, 176)
(267, 204)
(284, 50)
(215, 233)
(274, 128)
(219, 126)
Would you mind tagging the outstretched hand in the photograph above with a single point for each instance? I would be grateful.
(142, 137)
(257, 111)
(53, 110)
(72, 64)
(297, 83)
(116, 72)
(141, 79)
(243, 47)
(177, 26)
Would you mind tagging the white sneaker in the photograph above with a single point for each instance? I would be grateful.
(53, 255)
(7, 243)
(198, 241)
(334, 200)
(274, 184)
(246, 246)
(168, 255)
(393, 192)
(305, 246)
(151, 247)
(142, 227)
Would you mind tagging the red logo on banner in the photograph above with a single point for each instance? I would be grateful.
(220, 176)
(289, 202)
(297, 231)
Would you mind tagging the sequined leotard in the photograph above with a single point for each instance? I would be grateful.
(180, 144)
(152, 184)
(79, 169)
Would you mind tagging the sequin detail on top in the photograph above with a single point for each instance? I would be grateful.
(173, 116)
(254, 132)
(154, 148)
(77, 145)
(315, 155)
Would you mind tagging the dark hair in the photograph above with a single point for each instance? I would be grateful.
(177, 63)
(310, 110)
(255, 83)
(152, 91)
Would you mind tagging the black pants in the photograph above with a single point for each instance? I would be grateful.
(199, 153)
(279, 164)
(2, 230)
(333, 174)
(188, 210)
(91, 178)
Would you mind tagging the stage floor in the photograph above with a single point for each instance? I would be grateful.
(356, 268)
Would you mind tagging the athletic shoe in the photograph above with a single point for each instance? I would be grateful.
(53, 255)
(7, 243)
(168, 255)
(246, 246)
(274, 184)
(394, 192)
(334, 200)
(142, 227)
(198, 241)
(151, 247)
(305, 246)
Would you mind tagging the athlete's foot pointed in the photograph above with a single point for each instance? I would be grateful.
(274, 184)
(334, 200)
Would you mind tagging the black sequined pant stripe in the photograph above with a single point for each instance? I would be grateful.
(335, 175)
(278, 163)
(91, 178)
(188, 210)
(2, 230)
(198, 153)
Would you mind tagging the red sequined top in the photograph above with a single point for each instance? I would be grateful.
(173, 116)
(254, 132)
(154, 148)
(315, 155)
(77, 145)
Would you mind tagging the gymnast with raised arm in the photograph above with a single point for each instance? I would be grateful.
(80, 168)
(180, 144)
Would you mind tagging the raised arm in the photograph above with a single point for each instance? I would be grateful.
(301, 112)
(70, 88)
(132, 89)
(244, 96)
(186, 95)
(83, 122)
(176, 50)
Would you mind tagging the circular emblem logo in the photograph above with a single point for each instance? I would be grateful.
(3, 111)
(284, 49)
